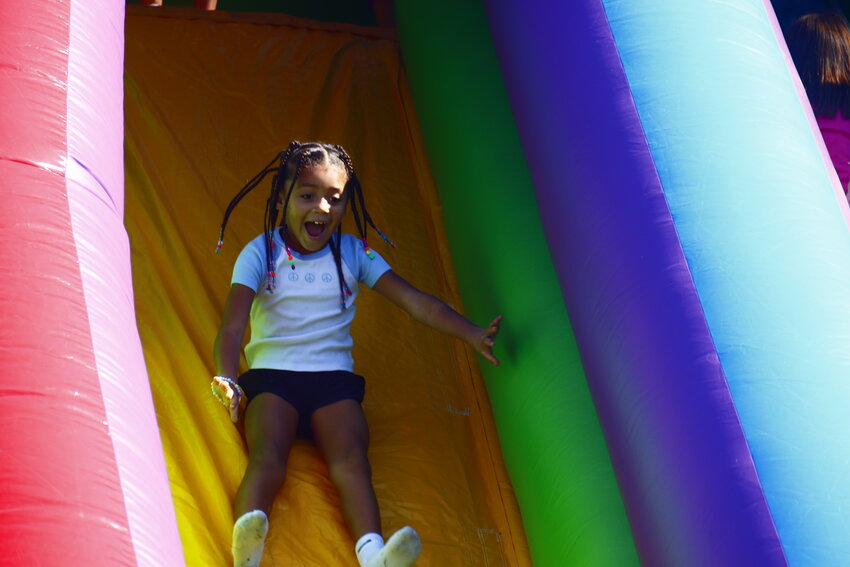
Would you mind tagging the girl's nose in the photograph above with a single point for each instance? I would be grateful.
(324, 206)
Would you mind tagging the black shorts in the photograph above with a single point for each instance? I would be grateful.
(306, 391)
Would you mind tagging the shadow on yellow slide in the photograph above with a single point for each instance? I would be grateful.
(210, 98)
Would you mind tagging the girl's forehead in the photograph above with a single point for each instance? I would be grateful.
(330, 175)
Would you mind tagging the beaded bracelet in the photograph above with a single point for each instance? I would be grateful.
(215, 387)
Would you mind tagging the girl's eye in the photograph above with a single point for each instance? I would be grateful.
(334, 200)
(306, 196)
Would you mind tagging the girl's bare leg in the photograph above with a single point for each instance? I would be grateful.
(270, 426)
(341, 434)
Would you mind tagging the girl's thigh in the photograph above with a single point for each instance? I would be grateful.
(270, 424)
(340, 430)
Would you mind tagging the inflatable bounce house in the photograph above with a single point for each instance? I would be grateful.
(636, 186)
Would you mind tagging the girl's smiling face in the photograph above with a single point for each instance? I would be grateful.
(316, 207)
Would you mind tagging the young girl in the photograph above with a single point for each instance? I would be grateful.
(297, 282)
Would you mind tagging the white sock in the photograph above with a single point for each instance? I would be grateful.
(401, 550)
(367, 546)
(249, 538)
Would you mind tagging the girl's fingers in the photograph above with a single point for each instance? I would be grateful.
(487, 352)
(236, 400)
(487, 342)
(494, 326)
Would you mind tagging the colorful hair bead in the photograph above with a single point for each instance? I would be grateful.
(289, 257)
(387, 240)
(271, 278)
(367, 250)
(343, 293)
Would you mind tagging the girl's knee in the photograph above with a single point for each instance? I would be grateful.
(353, 464)
(268, 458)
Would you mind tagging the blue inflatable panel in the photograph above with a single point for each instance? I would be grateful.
(704, 261)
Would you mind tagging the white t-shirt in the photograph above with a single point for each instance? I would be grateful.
(301, 324)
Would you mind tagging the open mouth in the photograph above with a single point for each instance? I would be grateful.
(315, 228)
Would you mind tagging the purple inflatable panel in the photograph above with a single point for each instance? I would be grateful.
(688, 480)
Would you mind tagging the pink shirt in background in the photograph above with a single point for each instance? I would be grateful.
(836, 136)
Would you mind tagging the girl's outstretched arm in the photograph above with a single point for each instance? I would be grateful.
(431, 311)
(228, 342)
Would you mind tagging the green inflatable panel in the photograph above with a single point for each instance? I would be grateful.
(550, 435)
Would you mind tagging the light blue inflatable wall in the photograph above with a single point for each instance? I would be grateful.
(704, 257)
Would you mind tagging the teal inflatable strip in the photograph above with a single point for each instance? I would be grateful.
(767, 243)
(550, 434)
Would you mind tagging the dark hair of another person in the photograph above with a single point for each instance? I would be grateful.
(820, 46)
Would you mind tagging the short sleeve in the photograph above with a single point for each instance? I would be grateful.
(249, 268)
(367, 270)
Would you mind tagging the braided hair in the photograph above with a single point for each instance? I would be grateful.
(286, 167)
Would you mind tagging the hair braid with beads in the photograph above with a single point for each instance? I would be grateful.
(287, 166)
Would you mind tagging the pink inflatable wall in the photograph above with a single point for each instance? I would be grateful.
(82, 473)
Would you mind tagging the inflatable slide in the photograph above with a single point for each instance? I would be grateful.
(639, 192)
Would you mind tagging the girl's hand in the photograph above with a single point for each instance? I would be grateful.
(232, 398)
(484, 342)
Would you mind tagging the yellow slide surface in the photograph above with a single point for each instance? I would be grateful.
(210, 99)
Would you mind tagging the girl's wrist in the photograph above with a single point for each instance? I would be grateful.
(473, 336)
(231, 383)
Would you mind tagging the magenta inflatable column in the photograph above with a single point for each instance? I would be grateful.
(82, 475)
